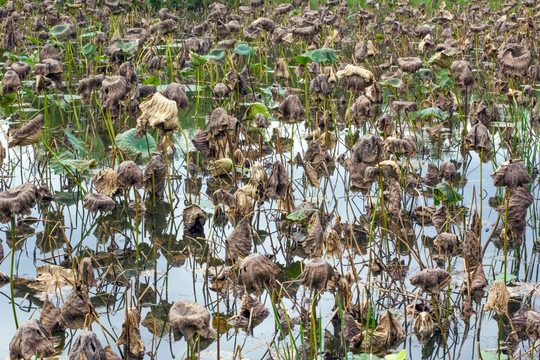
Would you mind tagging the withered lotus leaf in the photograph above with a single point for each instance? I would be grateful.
(28, 134)
(87, 346)
(406, 145)
(281, 70)
(446, 243)
(291, 109)
(318, 275)
(155, 175)
(255, 188)
(424, 325)
(478, 278)
(74, 310)
(50, 317)
(320, 87)
(224, 197)
(256, 272)
(10, 83)
(360, 110)
(252, 307)
(478, 138)
(221, 91)
(312, 244)
(113, 90)
(86, 272)
(527, 321)
(352, 330)
(98, 202)
(367, 149)
(407, 106)
(439, 219)
(387, 169)
(318, 155)
(518, 203)
(260, 121)
(431, 280)
(278, 182)
(106, 182)
(129, 174)
(188, 318)
(126, 70)
(194, 219)
(514, 59)
(21, 68)
(131, 334)
(511, 173)
(31, 338)
(388, 333)
(355, 78)
(163, 27)
(498, 298)
(17, 201)
(447, 171)
(158, 112)
(221, 124)
(462, 73)
(48, 51)
(89, 84)
(409, 64)
(176, 92)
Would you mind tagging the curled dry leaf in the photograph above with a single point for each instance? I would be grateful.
(194, 219)
(439, 219)
(28, 134)
(188, 318)
(158, 112)
(478, 278)
(10, 83)
(253, 308)
(367, 149)
(355, 78)
(478, 138)
(462, 73)
(255, 188)
(388, 333)
(498, 298)
(406, 145)
(318, 275)
(312, 244)
(312, 175)
(527, 321)
(176, 92)
(50, 317)
(278, 182)
(87, 346)
(221, 124)
(516, 212)
(409, 64)
(221, 91)
(238, 243)
(431, 280)
(113, 90)
(256, 272)
(447, 243)
(514, 59)
(291, 109)
(74, 310)
(511, 173)
(31, 339)
(89, 84)
(17, 201)
(129, 174)
(281, 70)
(131, 334)
(106, 182)
(155, 175)
(98, 202)
(360, 110)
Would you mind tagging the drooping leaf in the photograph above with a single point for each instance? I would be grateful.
(445, 192)
(318, 55)
(216, 55)
(444, 79)
(128, 143)
(76, 143)
(432, 111)
(301, 215)
(196, 59)
(58, 30)
(399, 356)
(89, 49)
(392, 82)
(127, 46)
(257, 108)
(244, 49)
(66, 162)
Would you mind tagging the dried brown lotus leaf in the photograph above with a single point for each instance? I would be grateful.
(511, 173)
(312, 244)
(388, 333)
(312, 175)
(518, 203)
(255, 188)
(86, 272)
(158, 112)
(224, 197)
(318, 275)
(89, 84)
(163, 27)
(353, 330)
(253, 308)
(281, 70)
(514, 59)
(98, 202)
(113, 90)
(74, 310)
(527, 321)
(478, 138)
(129, 174)
(126, 70)
(221, 124)
(439, 219)
(409, 64)
(387, 170)
(194, 219)
(238, 244)
(28, 134)
(17, 201)
(407, 106)
(188, 318)
(355, 78)
(291, 109)
(201, 142)
(106, 182)
(31, 339)
(131, 334)
(447, 171)
(155, 175)
(50, 317)
(407, 145)
(424, 325)
(367, 149)
(221, 91)
(478, 278)
(360, 110)
(462, 73)
(320, 87)
(10, 83)
(48, 52)
(498, 298)
(49, 277)
(260, 121)
(110, 354)
(278, 182)
(256, 272)
(447, 243)
(431, 280)
(176, 92)
(87, 346)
